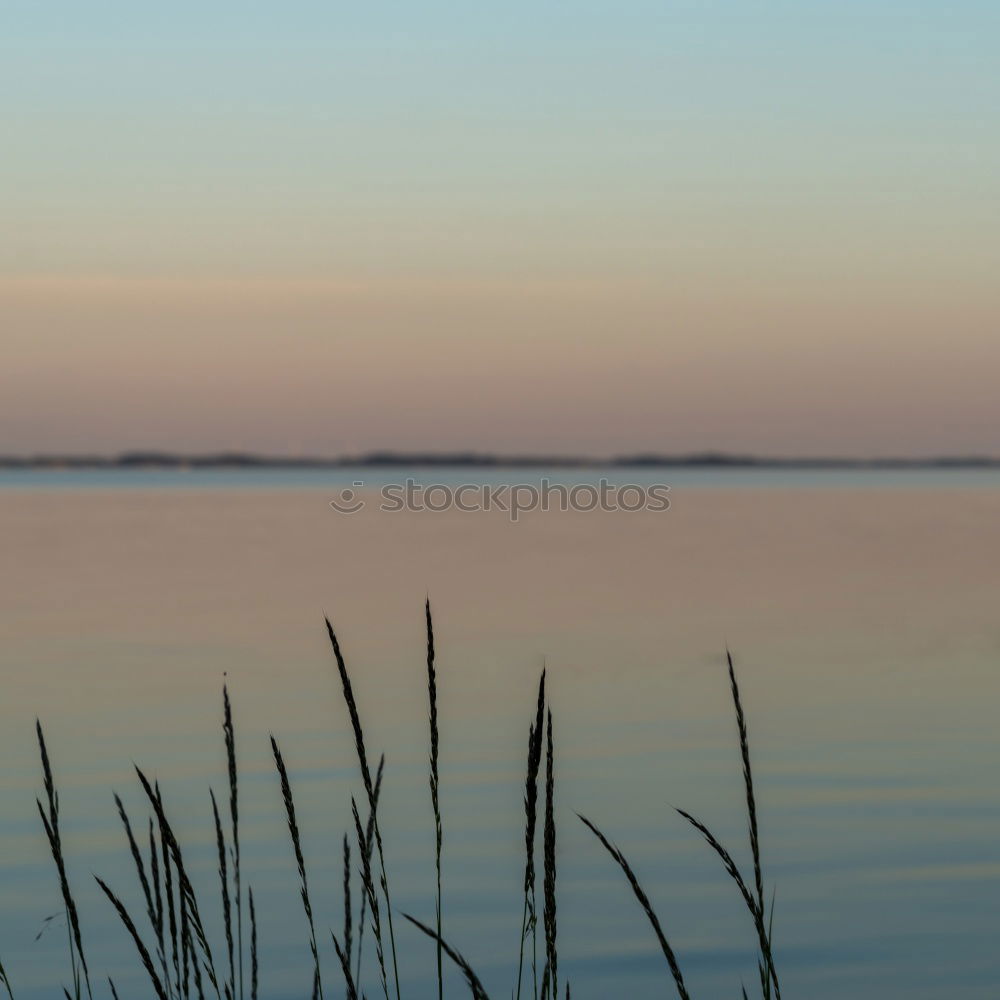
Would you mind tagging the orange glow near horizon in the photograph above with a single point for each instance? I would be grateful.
(595, 367)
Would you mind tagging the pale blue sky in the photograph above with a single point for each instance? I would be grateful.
(268, 120)
(723, 153)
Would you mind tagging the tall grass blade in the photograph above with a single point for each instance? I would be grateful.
(528, 919)
(154, 875)
(253, 946)
(359, 742)
(347, 903)
(51, 824)
(366, 852)
(227, 910)
(234, 818)
(145, 883)
(434, 781)
(187, 949)
(727, 860)
(549, 843)
(644, 902)
(368, 884)
(293, 830)
(345, 965)
(195, 966)
(147, 961)
(748, 782)
(478, 991)
(140, 866)
(168, 888)
(6, 982)
(185, 889)
(764, 934)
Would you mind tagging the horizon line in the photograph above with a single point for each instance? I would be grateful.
(151, 458)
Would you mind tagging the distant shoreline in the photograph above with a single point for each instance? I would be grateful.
(390, 459)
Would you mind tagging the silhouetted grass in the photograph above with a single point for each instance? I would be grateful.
(6, 981)
(366, 839)
(154, 904)
(640, 895)
(147, 962)
(374, 910)
(227, 906)
(348, 916)
(549, 882)
(434, 782)
(253, 945)
(191, 926)
(175, 952)
(50, 820)
(478, 991)
(345, 965)
(229, 736)
(359, 743)
(293, 830)
(529, 919)
(767, 971)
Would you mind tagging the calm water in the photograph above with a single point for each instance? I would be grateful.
(861, 608)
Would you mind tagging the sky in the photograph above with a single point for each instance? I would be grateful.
(529, 227)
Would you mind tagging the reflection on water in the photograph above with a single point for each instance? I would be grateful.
(863, 621)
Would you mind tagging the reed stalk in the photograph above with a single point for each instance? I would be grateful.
(50, 820)
(253, 945)
(146, 883)
(6, 982)
(293, 830)
(529, 919)
(185, 890)
(366, 852)
(768, 974)
(475, 984)
(368, 884)
(227, 910)
(229, 734)
(347, 906)
(549, 882)
(647, 907)
(434, 782)
(345, 965)
(359, 743)
(147, 961)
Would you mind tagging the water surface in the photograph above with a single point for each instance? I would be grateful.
(862, 613)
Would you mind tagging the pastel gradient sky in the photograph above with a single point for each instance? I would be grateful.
(599, 227)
